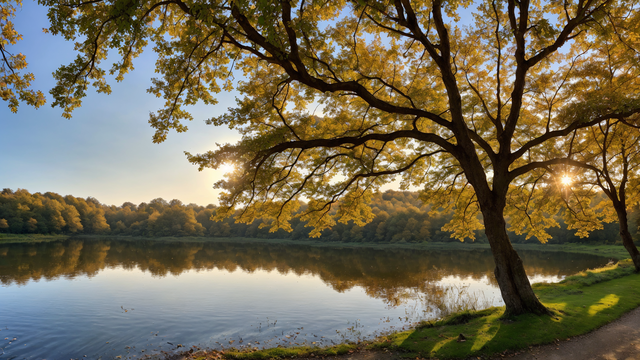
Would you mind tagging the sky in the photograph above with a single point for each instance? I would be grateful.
(105, 150)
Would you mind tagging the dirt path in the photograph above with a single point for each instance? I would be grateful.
(619, 340)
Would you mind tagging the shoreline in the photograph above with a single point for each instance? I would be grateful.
(607, 292)
(615, 252)
(581, 304)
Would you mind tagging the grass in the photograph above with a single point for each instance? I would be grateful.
(302, 351)
(274, 353)
(29, 238)
(580, 304)
(617, 252)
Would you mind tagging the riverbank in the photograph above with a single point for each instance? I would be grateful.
(614, 252)
(29, 238)
(580, 304)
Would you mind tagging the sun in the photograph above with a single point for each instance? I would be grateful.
(566, 180)
(227, 168)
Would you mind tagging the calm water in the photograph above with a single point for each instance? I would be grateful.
(109, 298)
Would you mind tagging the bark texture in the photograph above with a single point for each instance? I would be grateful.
(512, 279)
(627, 240)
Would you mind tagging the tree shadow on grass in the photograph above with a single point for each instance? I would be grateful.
(577, 310)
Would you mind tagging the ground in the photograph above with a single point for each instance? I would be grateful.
(619, 340)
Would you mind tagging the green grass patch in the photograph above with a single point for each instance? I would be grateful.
(581, 303)
(617, 252)
(605, 273)
(295, 352)
(29, 238)
(463, 317)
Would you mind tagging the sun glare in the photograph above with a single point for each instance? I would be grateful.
(227, 168)
(566, 180)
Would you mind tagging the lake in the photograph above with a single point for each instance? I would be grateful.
(138, 298)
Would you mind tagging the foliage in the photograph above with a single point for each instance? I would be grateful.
(399, 217)
(14, 86)
(600, 162)
(469, 114)
(48, 214)
(400, 87)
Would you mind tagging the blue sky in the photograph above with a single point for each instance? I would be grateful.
(105, 150)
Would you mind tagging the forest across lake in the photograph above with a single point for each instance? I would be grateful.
(399, 217)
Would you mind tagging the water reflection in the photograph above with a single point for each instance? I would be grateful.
(216, 294)
(386, 274)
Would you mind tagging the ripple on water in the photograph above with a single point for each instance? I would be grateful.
(108, 298)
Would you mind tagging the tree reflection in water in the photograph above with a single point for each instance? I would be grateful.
(394, 275)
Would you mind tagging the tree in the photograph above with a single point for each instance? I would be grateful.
(608, 157)
(4, 225)
(91, 214)
(72, 220)
(400, 90)
(175, 220)
(14, 86)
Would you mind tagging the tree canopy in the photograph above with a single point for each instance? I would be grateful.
(14, 85)
(337, 97)
(604, 160)
(399, 217)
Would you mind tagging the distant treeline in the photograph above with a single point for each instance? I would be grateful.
(400, 216)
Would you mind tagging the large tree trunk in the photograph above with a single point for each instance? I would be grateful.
(515, 287)
(627, 240)
(514, 284)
